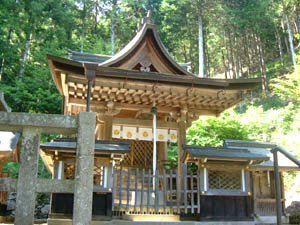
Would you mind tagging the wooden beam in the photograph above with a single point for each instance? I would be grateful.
(145, 123)
(148, 86)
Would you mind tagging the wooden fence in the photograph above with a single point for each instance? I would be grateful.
(137, 191)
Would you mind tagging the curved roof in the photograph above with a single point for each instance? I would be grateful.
(148, 30)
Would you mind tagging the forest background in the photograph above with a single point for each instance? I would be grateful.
(241, 39)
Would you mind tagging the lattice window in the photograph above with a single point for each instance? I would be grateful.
(224, 180)
(99, 175)
(69, 170)
(140, 156)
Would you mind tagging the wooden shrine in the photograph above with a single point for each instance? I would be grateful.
(144, 101)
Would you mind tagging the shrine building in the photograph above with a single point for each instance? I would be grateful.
(145, 101)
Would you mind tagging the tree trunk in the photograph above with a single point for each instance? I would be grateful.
(3, 55)
(96, 17)
(248, 55)
(297, 19)
(113, 23)
(191, 53)
(83, 16)
(112, 36)
(185, 54)
(237, 60)
(226, 56)
(290, 38)
(224, 65)
(285, 39)
(231, 56)
(278, 38)
(25, 56)
(262, 64)
(201, 42)
(206, 61)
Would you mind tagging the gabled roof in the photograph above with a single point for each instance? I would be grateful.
(147, 39)
(226, 154)
(146, 46)
(263, 148)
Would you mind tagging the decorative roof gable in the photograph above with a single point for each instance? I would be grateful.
(145, 52)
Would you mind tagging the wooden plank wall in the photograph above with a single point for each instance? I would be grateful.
(264, 193)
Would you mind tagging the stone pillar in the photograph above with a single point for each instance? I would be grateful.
(84, 169)
(29, 157)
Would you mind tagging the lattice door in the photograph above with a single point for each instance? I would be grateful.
(140, 156)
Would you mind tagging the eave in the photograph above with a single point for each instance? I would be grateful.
(71, 66)
(136, 90)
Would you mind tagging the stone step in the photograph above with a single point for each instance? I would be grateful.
(124, 222)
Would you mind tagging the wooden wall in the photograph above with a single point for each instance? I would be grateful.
(263, 186)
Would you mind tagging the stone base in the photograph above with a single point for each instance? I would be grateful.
(151, 217)
(124, 222)
(270, 220)
(6, 219)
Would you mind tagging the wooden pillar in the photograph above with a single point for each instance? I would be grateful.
(1, 167)
(108, 121)
(181, 167)
(162, 154)
(58, 170)
(282, 193)
(277, 187)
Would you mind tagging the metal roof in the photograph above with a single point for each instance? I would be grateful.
(88, 57)
(263, 148)
(106, 147)
(227, 154)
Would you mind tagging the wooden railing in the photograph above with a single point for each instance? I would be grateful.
(134, 192)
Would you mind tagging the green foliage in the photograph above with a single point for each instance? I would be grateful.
(288, 87)
(13, 169)
(212, 131)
